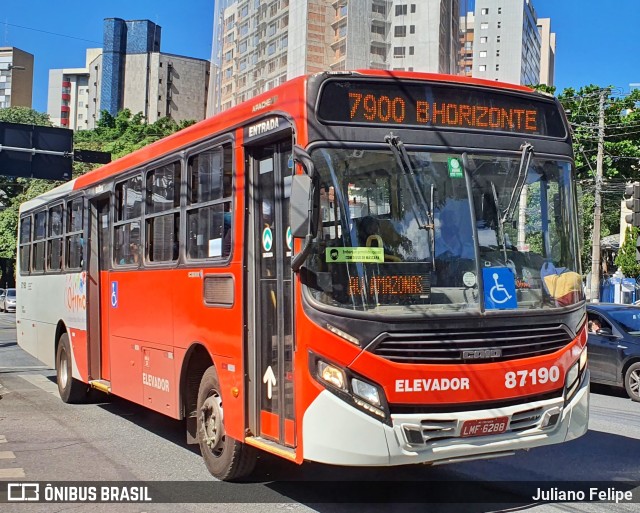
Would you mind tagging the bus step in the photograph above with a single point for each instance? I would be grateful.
(271, 446)
(101, 384)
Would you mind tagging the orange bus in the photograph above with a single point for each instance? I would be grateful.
(360, 268)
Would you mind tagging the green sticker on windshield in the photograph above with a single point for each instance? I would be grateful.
(455, 168)
(361, 255)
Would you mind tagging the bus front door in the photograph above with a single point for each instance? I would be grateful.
(269, 305)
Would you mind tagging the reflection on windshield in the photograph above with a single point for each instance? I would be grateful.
(372, 252)
(628, 319)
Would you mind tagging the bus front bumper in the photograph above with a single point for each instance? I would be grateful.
(336, 433)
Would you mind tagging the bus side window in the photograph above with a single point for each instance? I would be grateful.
(209, 194)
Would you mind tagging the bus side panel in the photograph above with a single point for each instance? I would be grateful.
(219, 329)
(44, 301)
(139, 314)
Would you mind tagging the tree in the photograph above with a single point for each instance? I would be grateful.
(621, 154)
(24, 115)
(626, 257)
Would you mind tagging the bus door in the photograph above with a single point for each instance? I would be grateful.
(269, 300)
(98, 258)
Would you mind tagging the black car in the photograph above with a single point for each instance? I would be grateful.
(614, 346)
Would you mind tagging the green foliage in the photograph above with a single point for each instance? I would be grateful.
(24, 115)
(125, 133)
(626, 258)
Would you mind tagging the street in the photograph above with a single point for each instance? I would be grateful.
(43, 439)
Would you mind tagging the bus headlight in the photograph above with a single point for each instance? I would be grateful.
(365, 391)
(331, 375)
(350, 387)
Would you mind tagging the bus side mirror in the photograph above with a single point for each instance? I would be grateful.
(300, 205)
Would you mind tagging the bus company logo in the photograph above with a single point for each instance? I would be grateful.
(481, 354)
(155, 382)
(264, 104)
(23, 492)
(263, 127)
(76, 292)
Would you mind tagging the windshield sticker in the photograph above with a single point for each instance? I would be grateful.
(469, 279)
(499, 288)
(348, 255)
(455, 168)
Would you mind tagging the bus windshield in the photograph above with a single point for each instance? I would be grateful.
(429, 237)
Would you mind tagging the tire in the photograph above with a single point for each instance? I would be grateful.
(226, 459)
(71, 390)
(632, 381)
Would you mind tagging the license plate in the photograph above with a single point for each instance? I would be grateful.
(481, 427)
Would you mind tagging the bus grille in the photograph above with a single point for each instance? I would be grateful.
(472, 345)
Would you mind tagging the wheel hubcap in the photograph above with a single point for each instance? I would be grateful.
(211, 423)
(634, 382)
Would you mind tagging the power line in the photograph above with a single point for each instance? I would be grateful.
(51, 33)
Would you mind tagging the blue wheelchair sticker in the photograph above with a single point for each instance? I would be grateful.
(499, 288)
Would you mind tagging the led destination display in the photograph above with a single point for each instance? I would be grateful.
(437, 106)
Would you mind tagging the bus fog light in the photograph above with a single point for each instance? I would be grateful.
(331, 375)
(366, 391)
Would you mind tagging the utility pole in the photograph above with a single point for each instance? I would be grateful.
(597, 211)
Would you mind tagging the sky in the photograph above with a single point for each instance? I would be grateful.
(596, 43)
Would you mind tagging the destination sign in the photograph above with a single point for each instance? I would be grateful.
(431, 105)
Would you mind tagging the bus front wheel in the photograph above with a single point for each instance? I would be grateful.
(226, 459)
(71, 390)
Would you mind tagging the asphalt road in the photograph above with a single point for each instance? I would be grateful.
(43, 439)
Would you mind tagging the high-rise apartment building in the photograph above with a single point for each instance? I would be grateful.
(16, 77)
(507, 43)
(547, 51)
(258, 45)
(467, 34)
(69, 98)
(129, 72)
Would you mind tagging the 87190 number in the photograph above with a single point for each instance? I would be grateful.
(531, 377)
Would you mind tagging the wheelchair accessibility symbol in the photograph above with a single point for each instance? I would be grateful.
(499, 288)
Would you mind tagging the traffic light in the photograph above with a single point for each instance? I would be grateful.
(632, 201)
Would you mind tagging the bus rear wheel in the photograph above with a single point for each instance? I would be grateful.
(71, 390)
(226, 459)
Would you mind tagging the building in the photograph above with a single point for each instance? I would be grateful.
(129, 72)
(16, 78)
(258, 45)
(466, 44)
(69, 95)
(547, 51)
(507, 43)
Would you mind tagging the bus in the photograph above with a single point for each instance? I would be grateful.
(363, 268)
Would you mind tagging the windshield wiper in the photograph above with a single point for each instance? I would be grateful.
(419, 206)
(525, 159)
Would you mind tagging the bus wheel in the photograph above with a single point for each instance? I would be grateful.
(226, 459)
(71, 390)
(632, 381)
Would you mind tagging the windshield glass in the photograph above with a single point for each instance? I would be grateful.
(428, 235)
(11, 293)
(628, 319)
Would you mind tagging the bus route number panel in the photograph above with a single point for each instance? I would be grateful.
(436, 106)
